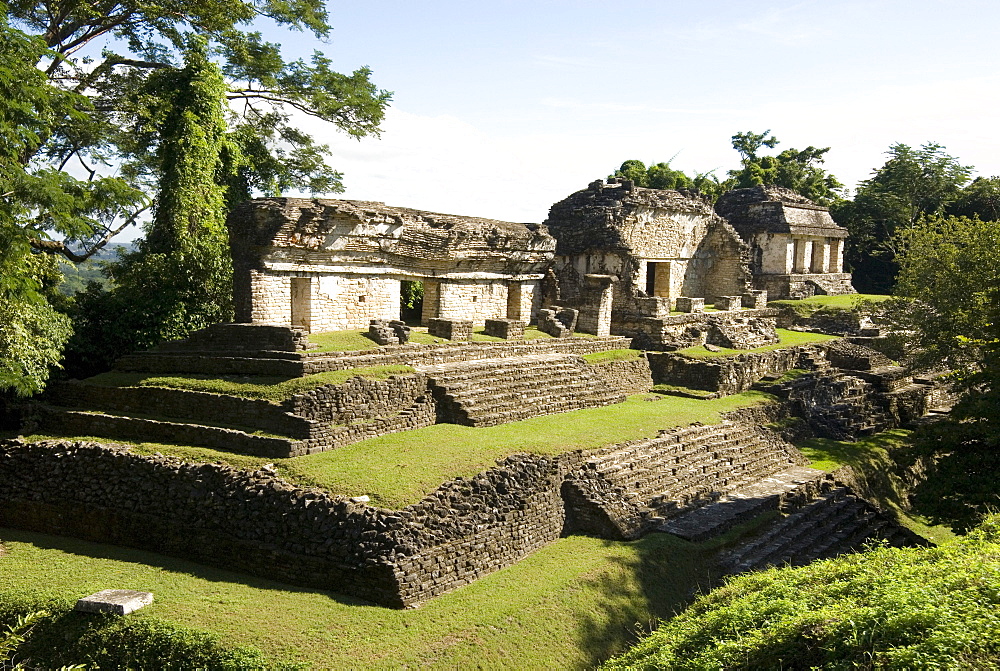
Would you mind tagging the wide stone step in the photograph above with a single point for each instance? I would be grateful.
(140, 429)
(836, 523)
(742, 505)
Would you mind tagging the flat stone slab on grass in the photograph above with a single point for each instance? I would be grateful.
(114, 601)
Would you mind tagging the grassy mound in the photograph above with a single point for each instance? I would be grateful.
(878, 475)
(354, 341)
(787, 339)
(274, 389)
(886, 608)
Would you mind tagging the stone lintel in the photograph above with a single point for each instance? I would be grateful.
(114, 601)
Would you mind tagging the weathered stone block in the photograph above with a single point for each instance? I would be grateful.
(382, 333)
(452, 329)
(728, 303)
(508, 329)
(754, 299)
(557, 322)
(685, 304)
(114, 601)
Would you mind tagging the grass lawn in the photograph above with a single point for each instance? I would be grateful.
(400, 468)
(569, 605)
(274, 389)
(613, 355)
(807, 306)
(871, 459)
(788, 339)
(352, 341)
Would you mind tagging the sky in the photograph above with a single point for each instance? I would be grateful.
(501, 108)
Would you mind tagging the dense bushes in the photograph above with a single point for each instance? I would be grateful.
(886, 608)
(63, 637)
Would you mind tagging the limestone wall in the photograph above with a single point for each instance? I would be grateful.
(258, 523)
(629, 376)
(728, 375)
(351, 302)
(475, 301)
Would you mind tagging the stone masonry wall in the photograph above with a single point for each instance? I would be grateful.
(348, 302)
(475, 301)
(359, 399)
(630, 376)
(414, 354)
(728, 375)
(258, 523)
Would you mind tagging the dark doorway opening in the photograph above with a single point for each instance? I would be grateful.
(411, 301)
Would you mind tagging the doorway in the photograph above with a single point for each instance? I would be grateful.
(301, 302)
(411, 301)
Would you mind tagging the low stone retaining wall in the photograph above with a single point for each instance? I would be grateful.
(727, 375)
(258, 523)
(295, 364)
(193, 406)
(358, 399)
(629, 376)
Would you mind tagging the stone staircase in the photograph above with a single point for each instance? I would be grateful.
(837, 522)
(788, 489)
(487, 392)
(634, 488)
(836, 405)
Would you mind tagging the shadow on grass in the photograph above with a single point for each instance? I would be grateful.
(91, 550)
(658, 580)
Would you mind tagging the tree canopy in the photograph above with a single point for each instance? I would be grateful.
(798, 170)
(84, 107)
(948, 311)
(912, 183)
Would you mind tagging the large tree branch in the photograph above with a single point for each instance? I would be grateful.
(59, 247)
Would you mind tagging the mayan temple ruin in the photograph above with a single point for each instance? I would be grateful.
(616, 280)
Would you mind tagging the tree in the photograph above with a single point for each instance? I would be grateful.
(948, 311)
(793, 169)
(912, 184)
(180, 277)
(980, 199)
(65, 111)
(93, 102)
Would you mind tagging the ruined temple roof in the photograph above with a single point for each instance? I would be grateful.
(593, 218)
(356, 227)
(775, 209)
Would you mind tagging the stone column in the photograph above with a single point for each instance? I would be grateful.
(595, 309)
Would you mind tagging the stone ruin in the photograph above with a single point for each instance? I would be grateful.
(627, 260)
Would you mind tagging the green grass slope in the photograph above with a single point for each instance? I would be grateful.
(888, 608)
(569, 605)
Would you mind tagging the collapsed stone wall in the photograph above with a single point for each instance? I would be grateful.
(742, 328)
